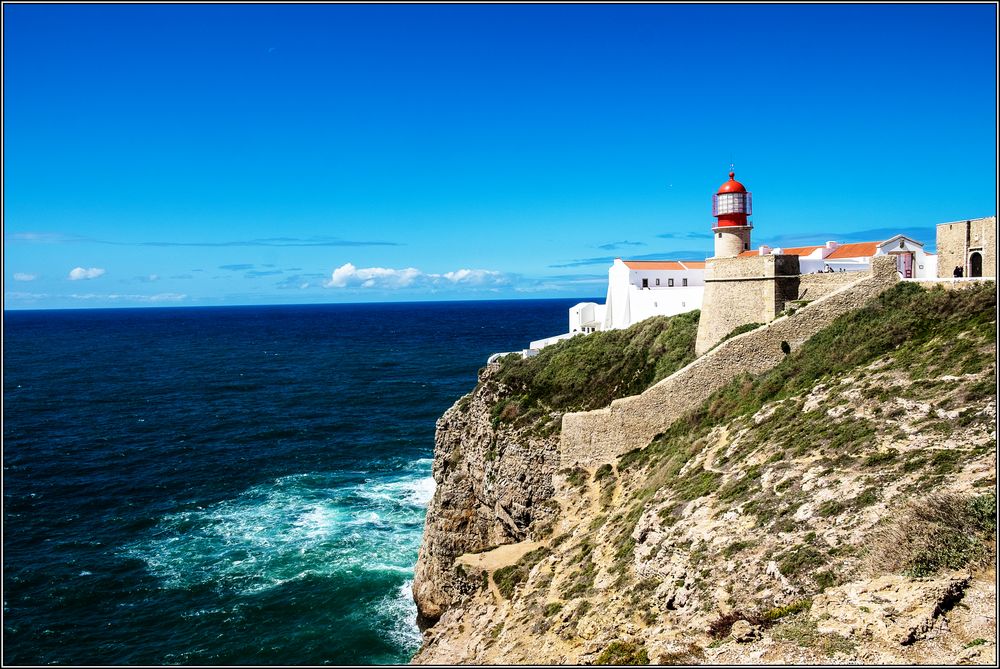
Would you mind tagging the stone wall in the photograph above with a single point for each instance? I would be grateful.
(594, 437)
(957, 239)
(815, 286)
(951, 245)
(983, 235)
(744, 290)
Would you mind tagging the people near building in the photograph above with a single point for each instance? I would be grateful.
(958, 272)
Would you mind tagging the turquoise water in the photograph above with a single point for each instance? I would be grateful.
(240, 485)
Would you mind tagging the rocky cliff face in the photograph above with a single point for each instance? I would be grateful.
(494, 486)
(799, 517)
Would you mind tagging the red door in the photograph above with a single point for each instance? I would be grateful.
(904, 263)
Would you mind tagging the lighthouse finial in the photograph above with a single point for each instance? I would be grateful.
(732, 171)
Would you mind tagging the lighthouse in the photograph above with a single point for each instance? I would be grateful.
(731, 206)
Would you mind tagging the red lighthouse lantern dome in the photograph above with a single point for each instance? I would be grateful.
(732, 204)
(732, 186)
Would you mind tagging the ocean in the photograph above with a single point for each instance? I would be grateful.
(237, 485)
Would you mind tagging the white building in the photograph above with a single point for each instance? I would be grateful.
(637, 290)
(911, 259)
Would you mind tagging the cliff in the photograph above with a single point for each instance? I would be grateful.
(837, 508)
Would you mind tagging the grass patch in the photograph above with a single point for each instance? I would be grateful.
(588, 372)
(509, 577)
(941, 531)
(623, 653)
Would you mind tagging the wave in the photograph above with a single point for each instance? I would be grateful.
(303, 524)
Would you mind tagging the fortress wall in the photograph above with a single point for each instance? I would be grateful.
(950, 248)
(984, 231)
(815, 286)
(744, 290)
(954, 240)
(591, 438)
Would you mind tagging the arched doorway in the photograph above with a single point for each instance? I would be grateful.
(976, 264)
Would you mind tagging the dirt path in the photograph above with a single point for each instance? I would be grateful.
(501, 556)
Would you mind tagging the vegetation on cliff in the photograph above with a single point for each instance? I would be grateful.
(835, 508)
(589, 371)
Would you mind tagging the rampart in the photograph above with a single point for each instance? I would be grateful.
(738, 291)
(595, 437)
(815, 286)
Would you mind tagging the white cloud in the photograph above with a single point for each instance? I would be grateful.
(475, 277)
(116, 297)
(78, 273)
(349, 276)
(21, 276)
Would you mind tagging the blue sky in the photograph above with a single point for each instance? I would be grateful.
(266, 154)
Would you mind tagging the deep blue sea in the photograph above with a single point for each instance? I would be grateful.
(239, 485)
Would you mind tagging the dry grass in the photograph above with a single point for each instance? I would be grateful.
(940, 531)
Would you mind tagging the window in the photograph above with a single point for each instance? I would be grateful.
(670, 283)
(657, 282)
(685, 282)
(746, 247)
(720, 235)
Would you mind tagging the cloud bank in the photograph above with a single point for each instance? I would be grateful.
(78, 273)
(22, 276)
(349, 276)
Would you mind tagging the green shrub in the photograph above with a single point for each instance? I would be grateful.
(623, 652)
(881, 458)
(831, 507)
(507, 578)
(772, 615)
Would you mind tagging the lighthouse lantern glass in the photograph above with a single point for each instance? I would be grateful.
(730, 203)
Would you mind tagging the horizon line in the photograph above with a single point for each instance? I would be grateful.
(297, 304)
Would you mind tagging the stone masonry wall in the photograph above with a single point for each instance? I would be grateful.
(815, 286)
(984, 235)
(595, 437)
(951, 247)
(744, 290)
(954, 240)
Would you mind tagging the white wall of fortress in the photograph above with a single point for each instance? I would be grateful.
(591, 438)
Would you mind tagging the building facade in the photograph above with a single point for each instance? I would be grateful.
(967, 248)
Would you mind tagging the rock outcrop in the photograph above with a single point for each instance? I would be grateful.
(492, 485)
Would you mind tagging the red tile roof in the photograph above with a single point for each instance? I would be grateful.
(662, 264)
(856, 250)
(799, 250)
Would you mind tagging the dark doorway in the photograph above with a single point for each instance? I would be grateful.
(645, 283)
(976, 264)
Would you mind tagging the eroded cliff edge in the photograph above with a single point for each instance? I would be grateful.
(840, 508)
(492, 484)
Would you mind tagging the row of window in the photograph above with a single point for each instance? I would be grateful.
(670, 283)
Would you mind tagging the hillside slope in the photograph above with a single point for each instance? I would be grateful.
(840, 508)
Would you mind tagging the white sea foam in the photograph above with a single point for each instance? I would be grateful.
(399, 613)
(300, 525)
